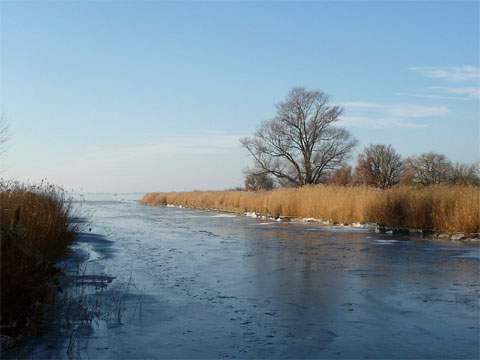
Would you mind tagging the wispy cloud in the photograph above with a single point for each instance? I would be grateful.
(378, 115)
(398, 110)
(164, 163)
(446, 93)
(450, 73)
(379, 123)
(167, 146)
(469, 91)
(431, 96)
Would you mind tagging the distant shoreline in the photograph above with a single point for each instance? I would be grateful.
(443, 212)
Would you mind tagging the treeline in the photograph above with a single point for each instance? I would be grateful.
(303, 145)
(382, 166)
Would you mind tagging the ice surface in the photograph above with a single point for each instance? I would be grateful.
(205, 285)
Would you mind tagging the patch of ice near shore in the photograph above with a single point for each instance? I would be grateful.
(251, 214)
(307, 220)
(176, 206)
(386, 242)
(224, 216)
(88, 249)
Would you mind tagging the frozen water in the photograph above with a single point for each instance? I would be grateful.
(222, 287)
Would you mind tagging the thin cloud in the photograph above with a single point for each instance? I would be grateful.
(167, 163)
(168, 146)
(450, 73)
(397, 110)
(469, 91)
(379, 123)
(446, 93)
(381, 116)
(431, 96)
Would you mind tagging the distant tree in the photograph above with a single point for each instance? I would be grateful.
(3, 133)
(301, 144)
(341, 176)
(379, 165)
(3, 139)
(255, 182)
(427, 169)
(236, 188)
(465, 174)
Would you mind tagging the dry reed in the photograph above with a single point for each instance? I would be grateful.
(439, 208)
(36, 230)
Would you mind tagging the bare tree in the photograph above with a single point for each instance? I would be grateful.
(3, 141)
(3, 133)
(342, 176)
(427, 169)
(255, 182)
(301, 144)
(465, 174)
(379, 165)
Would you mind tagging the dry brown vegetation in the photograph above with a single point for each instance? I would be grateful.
(36, 229)
(439, 208)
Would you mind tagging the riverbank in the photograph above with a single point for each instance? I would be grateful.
(442, 209)
(37, 227)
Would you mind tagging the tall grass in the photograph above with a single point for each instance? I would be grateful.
(437, 208)
(36, 230)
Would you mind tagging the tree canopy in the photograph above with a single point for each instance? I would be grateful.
(301, 145)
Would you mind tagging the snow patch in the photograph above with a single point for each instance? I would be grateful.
(224, 216)
(386, 242)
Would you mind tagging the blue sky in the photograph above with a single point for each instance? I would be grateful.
(140, 96)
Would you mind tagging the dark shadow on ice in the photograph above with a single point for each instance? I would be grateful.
(99, 243)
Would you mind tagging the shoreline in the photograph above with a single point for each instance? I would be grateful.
(439, 209)
(424, 234)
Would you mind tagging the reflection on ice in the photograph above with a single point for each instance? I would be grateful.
(473, 254)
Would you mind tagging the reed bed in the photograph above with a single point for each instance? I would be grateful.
(36, 230)
(440, 208)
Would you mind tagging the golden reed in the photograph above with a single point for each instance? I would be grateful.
(37, 228)
(440, 208)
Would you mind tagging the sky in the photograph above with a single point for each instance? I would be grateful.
(153, 96)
